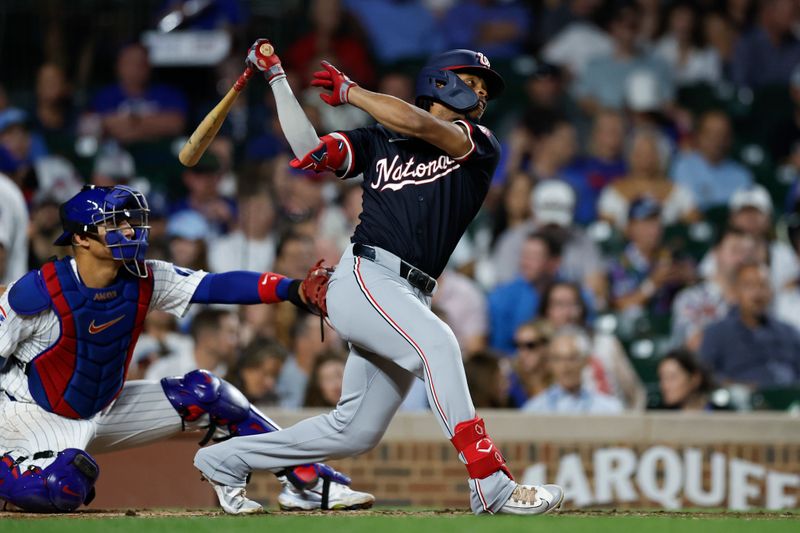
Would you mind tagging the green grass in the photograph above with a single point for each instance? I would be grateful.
(409, 524)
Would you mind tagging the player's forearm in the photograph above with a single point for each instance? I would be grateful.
(243, 287)
(297, 129)
(395, 114)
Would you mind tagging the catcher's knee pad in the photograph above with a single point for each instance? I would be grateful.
(481, 455)
(200, 392)
(62, 486)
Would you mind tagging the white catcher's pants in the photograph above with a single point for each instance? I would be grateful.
(140, 415)
(394, 337)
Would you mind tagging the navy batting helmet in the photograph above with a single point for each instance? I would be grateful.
(117, 208)
(437, 80)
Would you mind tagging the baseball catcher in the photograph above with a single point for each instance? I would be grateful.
(67, 333)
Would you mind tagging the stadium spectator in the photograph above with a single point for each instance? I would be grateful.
(113, 166)
(256, 371)
(698, 306)
(498, 29)
(514, 207)
(44, 229)
(54, 115)
(602, 83)
(488, 385)
(750, 346)
(685, 384)
(707, 170)
(721, 34)
(750, 209)
(530, 374)
(306, 348)
(514, 303)
(580, 40)
(682, 48)
(13, 232)
(465, 307)
(552, 207)
(252, 245)
(782, 140)
(215, 336)
(647, 275)
(609, 370)
(188, 232)
(337, 222)
(325, 384)
(543, 149)
(134, 109)
(202, 182)
(593, 173)
(646, 178)
(398, 30)
(159, 339)
(333, 32)
(769, 52)
(568, 354)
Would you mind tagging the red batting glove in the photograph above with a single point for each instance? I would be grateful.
(328, 156)
(262, 56)
(335, 81)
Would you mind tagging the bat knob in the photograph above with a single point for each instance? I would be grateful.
(266, 49)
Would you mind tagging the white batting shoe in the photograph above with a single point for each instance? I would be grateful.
(340, 498)
(533, 499)
(234, 500)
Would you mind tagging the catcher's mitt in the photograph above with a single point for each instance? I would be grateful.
(314, 288)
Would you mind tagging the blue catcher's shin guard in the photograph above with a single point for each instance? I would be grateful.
(200, 392)
(62, 486)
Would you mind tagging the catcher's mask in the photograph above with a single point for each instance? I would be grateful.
(122, 211)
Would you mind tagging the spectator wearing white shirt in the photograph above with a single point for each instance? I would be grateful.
(252, 245)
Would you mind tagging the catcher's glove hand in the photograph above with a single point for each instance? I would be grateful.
(314, 288)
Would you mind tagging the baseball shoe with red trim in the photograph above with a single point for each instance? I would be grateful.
(533, 499)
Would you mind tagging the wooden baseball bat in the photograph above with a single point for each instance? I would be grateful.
(202, 136)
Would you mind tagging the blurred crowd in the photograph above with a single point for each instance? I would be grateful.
(638, 249)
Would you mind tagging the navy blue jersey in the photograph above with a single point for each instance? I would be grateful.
(418, 201)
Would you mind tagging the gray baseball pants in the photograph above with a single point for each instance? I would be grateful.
(394, 338)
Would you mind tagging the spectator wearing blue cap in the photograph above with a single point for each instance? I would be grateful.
(187, 232)
(17, 139)
(647, 275)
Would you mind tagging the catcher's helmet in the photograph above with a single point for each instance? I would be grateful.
(119, 209)
(437, 80)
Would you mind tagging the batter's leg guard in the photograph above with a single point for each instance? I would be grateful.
(62, 486)
(200, 392)
(482, 457)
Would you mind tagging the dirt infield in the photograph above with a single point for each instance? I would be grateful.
(92, 514)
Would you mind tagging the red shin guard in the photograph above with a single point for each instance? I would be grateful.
(482, 456)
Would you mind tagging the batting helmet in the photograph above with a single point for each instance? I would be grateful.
(118, 209)
(438, 82)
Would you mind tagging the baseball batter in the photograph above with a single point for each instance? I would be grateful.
(427, 170)
(67, 333)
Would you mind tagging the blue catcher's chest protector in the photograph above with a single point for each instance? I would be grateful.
(85, 369)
